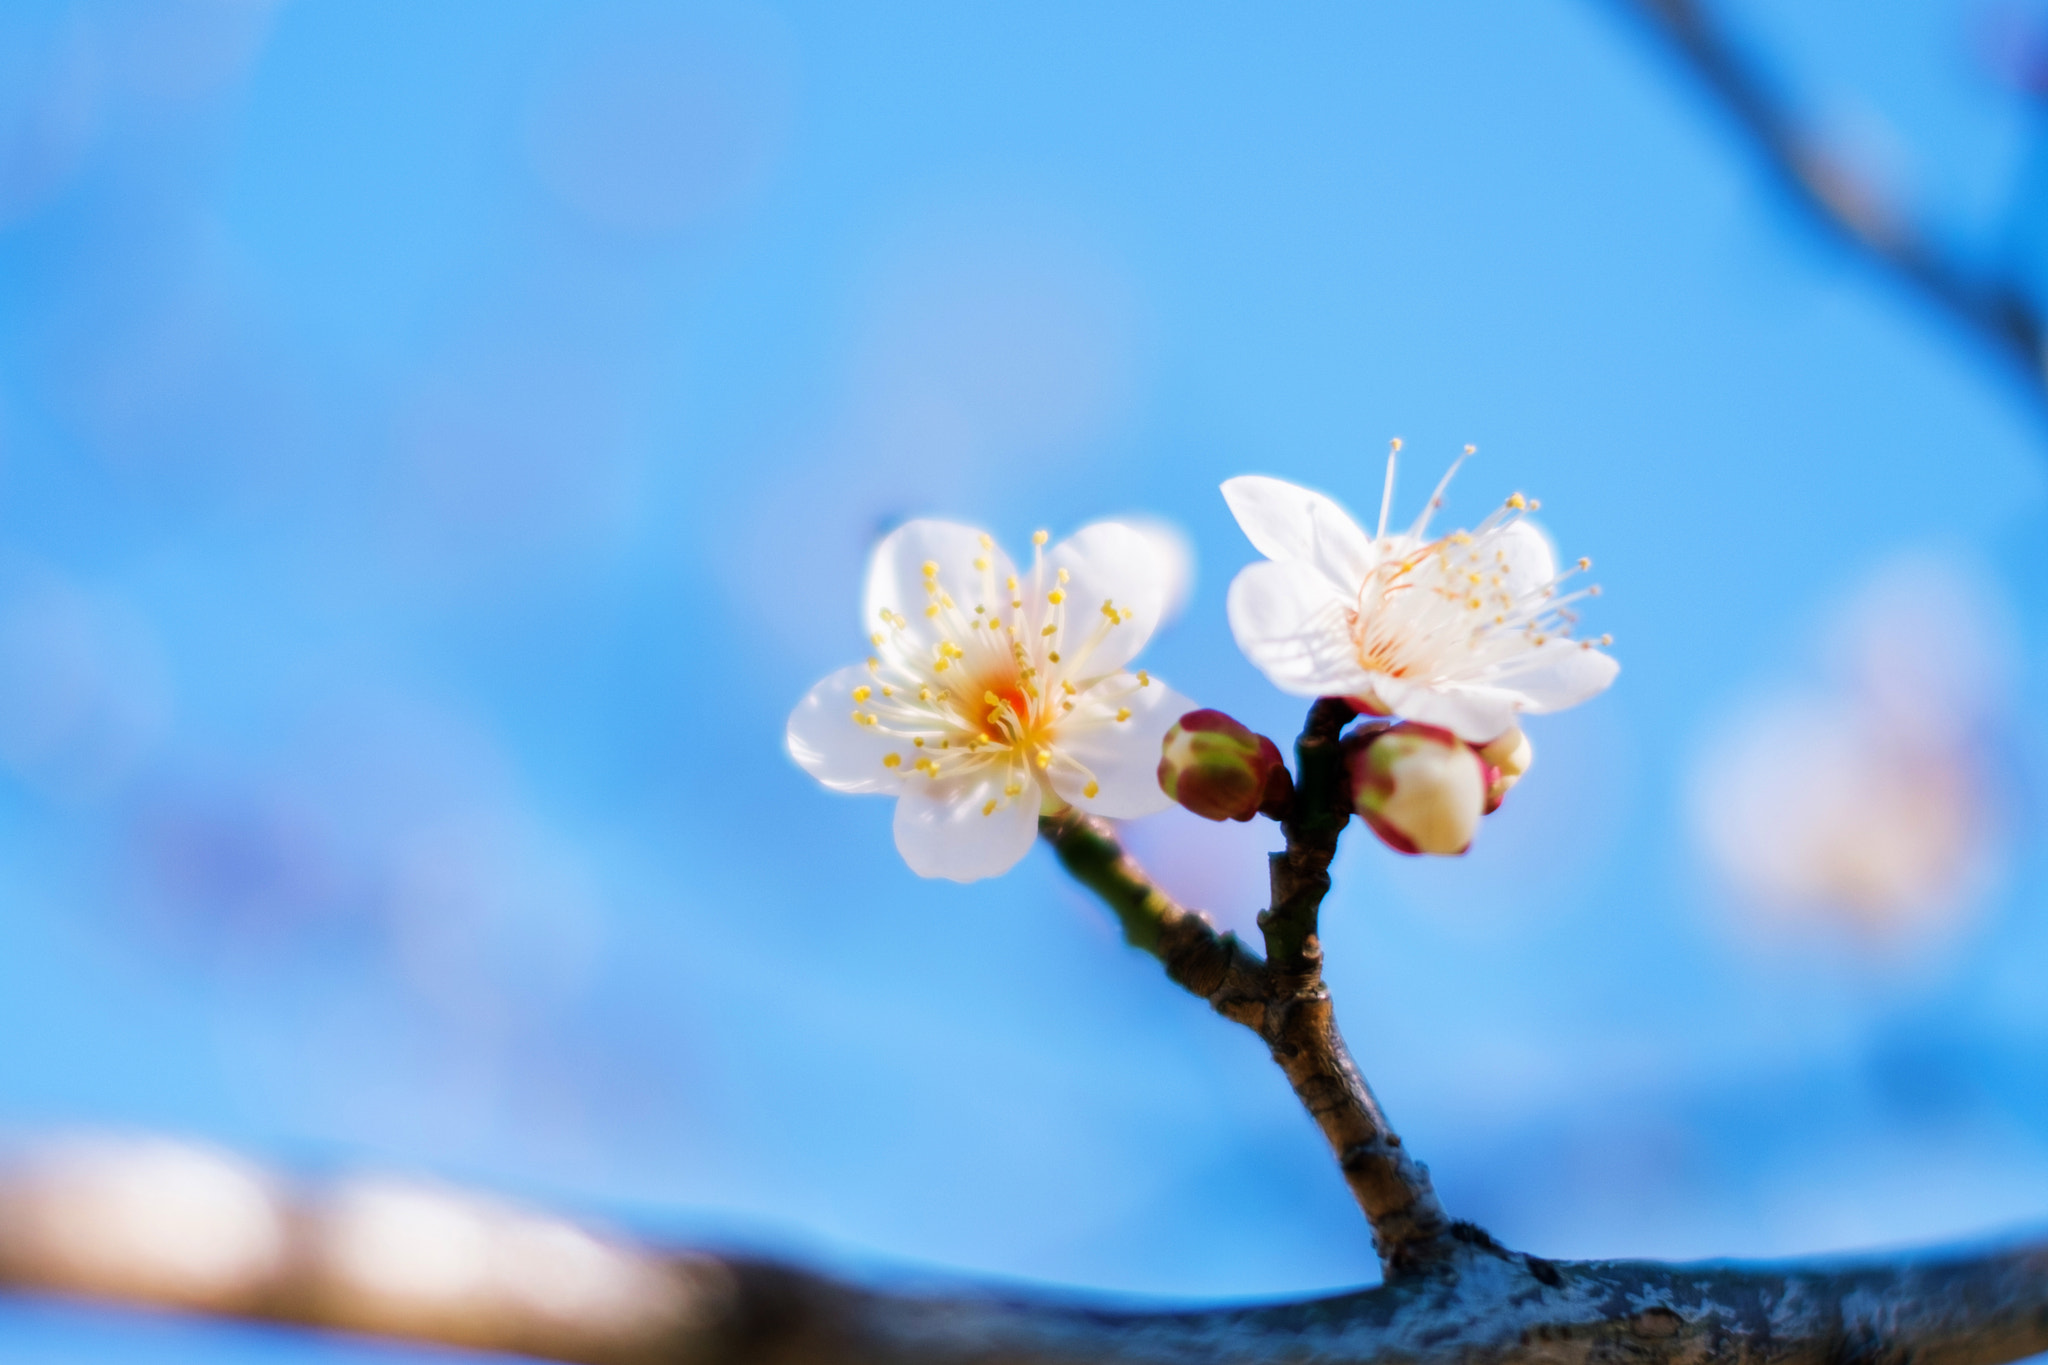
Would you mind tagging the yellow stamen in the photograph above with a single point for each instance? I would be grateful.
(1091, 791)
(892, 760)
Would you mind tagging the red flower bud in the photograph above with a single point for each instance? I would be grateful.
(1421, 789)
(1220, 770)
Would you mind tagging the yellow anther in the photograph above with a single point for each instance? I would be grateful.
(901, 621)
(1039, 537)
(1052, 655)
(1049, 630)
(1607, 639)
(863, 692)
(918, 742)
(981, 564)
(1109, 610)
(1066, 687)
(1127, 614)
(1471, 450)
(1144, 678)
(953, 649)
(989, 807)
(986, 542)
(1091, 791)
(892, 760)
(1517, 501)
(924, 694)
(1063, 575)
(1541, 638)
(876, 637)
(873, 663)
(1055, 597)
(931, 568)
(864, 718)
(932, 610)
(1472, 603)
(1123, 713)
(1044, 759)
(1011, 582)
(991, 699)
(942, 665)
(1395, 445)
(1585, 563)
(1014, 788)
(888, 691)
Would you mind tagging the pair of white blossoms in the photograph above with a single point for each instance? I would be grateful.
(994, 693)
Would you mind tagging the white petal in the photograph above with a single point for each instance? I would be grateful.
(1122, 755)
(1560, 674)
(1111, 562)
(1286, 522)
(896, 578)
(1531, 560)
(830, 745)
(941, 832)
(1477, 715)
(1290, 622)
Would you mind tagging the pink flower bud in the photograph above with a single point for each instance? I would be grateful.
(1220, 770)
(1506, 759)
(1420, 788)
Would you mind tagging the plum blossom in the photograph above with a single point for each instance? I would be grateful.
(1462, 631)
(992, 694)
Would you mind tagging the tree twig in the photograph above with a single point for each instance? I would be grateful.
(1843, 204)
(156, 1224)
(1283, 998)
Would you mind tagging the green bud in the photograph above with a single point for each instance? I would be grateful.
(1221, 771)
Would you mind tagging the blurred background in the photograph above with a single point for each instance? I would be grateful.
(439, 443)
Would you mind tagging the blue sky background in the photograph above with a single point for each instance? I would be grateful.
(438, 445)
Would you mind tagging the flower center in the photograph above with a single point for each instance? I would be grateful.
(1000, 708)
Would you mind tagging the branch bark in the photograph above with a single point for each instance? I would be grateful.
(157, 1225)
(1283, 998)
(1843, 205)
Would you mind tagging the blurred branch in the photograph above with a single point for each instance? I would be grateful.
(1843, 204)
(1283, 998)
(155, 1224)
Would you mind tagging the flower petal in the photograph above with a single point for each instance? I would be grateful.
(1291, 622)
(1531, 560)
(830, 745)
(896, 580)
(941, 831)
(1476, 714)
(1557, 675)
(1122, 756)
(1114, 563)
(1286, 522)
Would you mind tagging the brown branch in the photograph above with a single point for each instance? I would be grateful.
(1844, 205)
(1283, 998)
(154, 1224)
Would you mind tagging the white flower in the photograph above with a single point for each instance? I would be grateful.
(1462, 631)
(992, 694)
